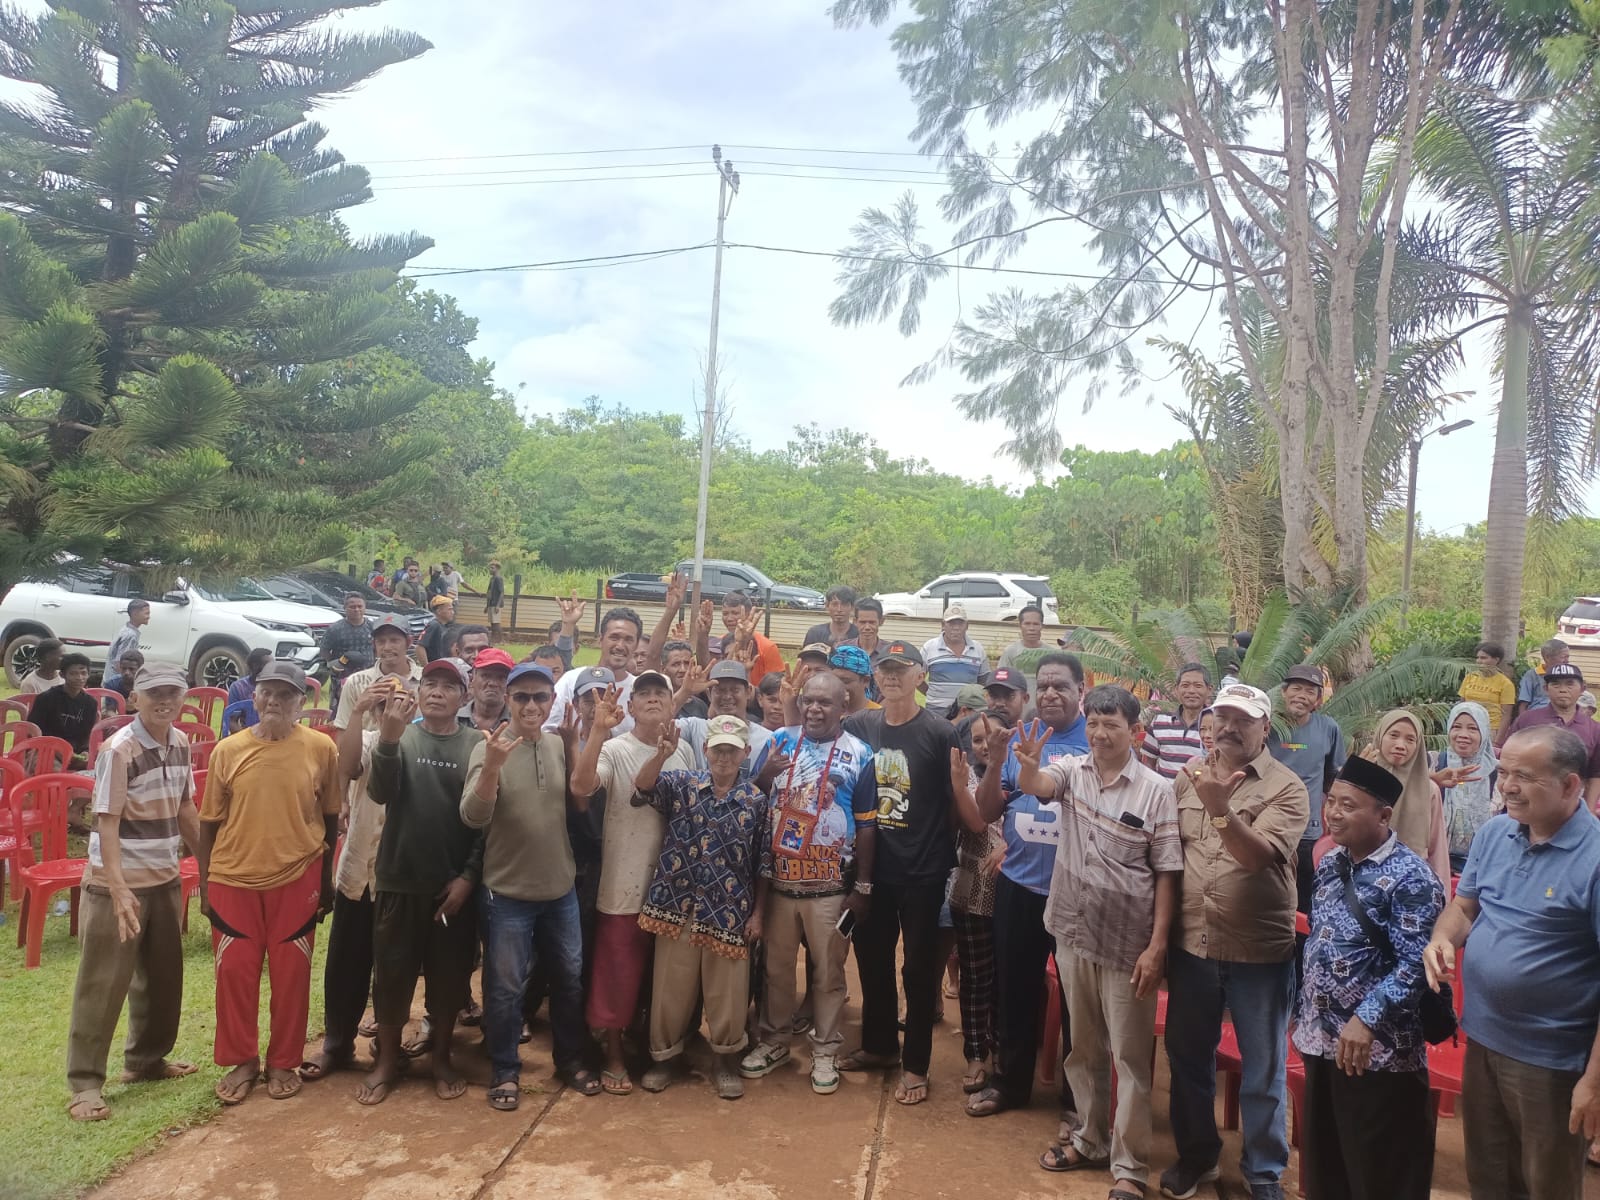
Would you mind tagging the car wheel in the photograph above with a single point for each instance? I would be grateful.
(22, 656)
(218, 667)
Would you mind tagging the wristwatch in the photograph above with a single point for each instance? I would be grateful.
(864, 889)
(1222, 821)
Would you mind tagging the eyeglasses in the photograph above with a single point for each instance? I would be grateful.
(531, 697)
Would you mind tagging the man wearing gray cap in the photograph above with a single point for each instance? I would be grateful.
(132, 904)
(728, 695)
(391, 648)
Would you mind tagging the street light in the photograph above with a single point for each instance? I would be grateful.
(1411, 511)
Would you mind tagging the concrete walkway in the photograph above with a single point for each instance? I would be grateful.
(780, 1142)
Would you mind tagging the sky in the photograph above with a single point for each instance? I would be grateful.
(552, 83)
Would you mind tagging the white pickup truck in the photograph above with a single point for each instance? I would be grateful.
(208, 629)
(986, 595)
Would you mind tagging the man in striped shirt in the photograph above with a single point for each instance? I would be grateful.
(1172, 739)
(132, 904)
(952, 659)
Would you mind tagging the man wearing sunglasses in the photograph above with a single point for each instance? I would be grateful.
(517, 792)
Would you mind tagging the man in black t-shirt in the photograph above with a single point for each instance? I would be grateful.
(840, 602)
(68, 712)
(901, 869)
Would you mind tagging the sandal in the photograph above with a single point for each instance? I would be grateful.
(584, 1082)
(283, 1086)
(471, 1016)
(504, 1097)
(987, 1102)
(237, 1092)
(449, 1087)
(373, 1094)
(860, 1060)
(422, 1043)
(909, 1093)
(616, 1083)
(88, 1106)
(367, 1029)
(976, 1078)
(160, 1070)
(1057, 1157)
(320, 1066)
(1119, 1192)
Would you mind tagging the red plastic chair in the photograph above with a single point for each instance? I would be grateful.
(13, 732)
(200, 755)
(105, 696)
(193, 712)
(43, 756)
(332, 731)
(25, 699)
(1048, 1066)
(189, 867)
(56, 872)
(314, 689)
(1447, 1061)
(15, 851)
(196, 731)
(13, 710)
(315, 716)
(103, 729)
(209, 700)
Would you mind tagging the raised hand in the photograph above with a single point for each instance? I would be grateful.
(677, 588)
(789, 688)
(608, 712)
(1212, 785)
(960, 772)
(667, 744)
(1030, 745)
(704, 618)
(1449, 777)
(497, 747)
(398, 711)
(572, 610)
(998, 741)
(680, 632)
(570, 730)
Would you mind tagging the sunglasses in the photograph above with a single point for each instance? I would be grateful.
(531, 697)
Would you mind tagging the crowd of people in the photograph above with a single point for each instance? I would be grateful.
(695, 833)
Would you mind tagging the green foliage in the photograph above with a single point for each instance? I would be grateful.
(192, 349)
(1452, 632)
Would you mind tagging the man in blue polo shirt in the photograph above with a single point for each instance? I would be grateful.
(1529, 902)
(1032, 827)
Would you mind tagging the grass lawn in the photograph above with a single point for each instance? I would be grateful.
(48, 1156)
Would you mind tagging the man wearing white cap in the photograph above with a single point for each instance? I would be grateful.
(1240, 815)
(952, 659)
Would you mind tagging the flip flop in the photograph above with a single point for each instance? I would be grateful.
(312, 1070)
(1055, 1158)
(450, 1089)
(584, 1082)
(860, 1060)
(367, 1029)
(987, 1102)
(976, 1079)
(504, 1097)
(284, 1089)
(616, 1083)
(161, 1070)
(910, 1094)
(231, 1098)
(373, 1094)
(419, 1044)
(94, 1104)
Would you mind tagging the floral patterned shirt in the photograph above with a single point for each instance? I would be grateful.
(711, 856)
(1347, 975)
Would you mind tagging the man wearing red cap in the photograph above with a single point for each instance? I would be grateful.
(486, 708)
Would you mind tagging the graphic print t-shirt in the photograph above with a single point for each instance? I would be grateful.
(816, 803)
(916, 841)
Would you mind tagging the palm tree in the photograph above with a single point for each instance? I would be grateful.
(1510, 196)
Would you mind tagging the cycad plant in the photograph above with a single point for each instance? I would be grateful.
(180, 310)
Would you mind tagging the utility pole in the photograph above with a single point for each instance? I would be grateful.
(1414, 449)
(727, 188)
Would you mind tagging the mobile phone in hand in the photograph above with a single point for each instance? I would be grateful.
(846, 924)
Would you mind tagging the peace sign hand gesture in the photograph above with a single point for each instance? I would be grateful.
(1030, 744)
(497, 747)
(608, 712)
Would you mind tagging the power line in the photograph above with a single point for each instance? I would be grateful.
(425, 187)
(662, 149)
(760, 162)
(559, 264)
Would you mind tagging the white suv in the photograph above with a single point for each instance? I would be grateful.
(209, 629)
(986, 595)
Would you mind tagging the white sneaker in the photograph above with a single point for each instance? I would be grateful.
(763, 1060)
(824, 1074)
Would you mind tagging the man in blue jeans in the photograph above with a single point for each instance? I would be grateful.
(516, 790)
(1240, 814)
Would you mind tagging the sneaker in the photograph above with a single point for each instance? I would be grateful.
(766, 1058)
(1266, 1191)
(1181, 1181)
(824, 1074)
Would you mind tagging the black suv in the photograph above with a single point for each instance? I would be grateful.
(327, 589)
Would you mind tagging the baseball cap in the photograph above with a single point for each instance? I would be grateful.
(851, 658)
(391, 624)
(283, 671)
(658, 678)
(1304, 673)
(523, 670)
(1563, 671)
(450, 668)
(1251, 701)
(971, 695)
(591, 678)
(492, 656)
(1006, 677)
(154, 675)
(438, 600)
(727, 731)
(901, 652)
(817, 650)
(954, 612)
(729, 669)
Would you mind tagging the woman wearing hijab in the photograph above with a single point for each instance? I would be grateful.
(1419, 814)
(1465, 771)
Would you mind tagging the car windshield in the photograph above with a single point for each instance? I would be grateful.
(1039, 589)
(229, 590)
(1583, 610)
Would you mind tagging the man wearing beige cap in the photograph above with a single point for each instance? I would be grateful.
(705, 902)
(952, 659)
(268, 826)
(1240, 815)
(132, 906)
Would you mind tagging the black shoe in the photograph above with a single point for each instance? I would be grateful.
(1181, 1181)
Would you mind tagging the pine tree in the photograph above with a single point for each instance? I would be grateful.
(192, 347)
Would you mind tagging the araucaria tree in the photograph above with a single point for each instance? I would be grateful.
(1202, 146)
(182, 317)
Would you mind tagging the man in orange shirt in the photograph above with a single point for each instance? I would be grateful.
(268, 826)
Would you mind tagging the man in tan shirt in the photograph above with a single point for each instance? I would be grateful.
(1240, 814)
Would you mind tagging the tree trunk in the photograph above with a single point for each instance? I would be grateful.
(1506, 541)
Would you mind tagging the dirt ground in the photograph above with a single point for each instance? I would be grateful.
(780, 1142)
